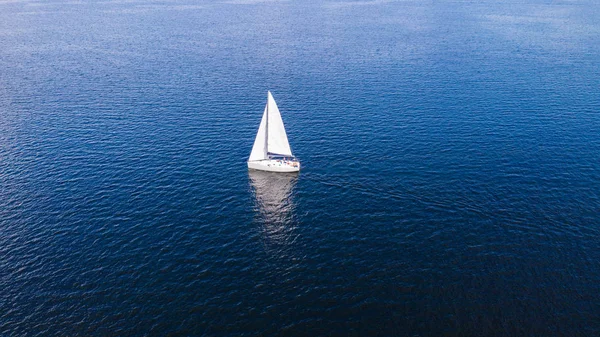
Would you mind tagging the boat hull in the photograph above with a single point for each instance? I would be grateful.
(274, 165)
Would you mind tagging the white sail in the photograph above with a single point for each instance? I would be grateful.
(277, 141)
(259, 149)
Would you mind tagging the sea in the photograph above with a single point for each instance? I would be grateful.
(450, 181)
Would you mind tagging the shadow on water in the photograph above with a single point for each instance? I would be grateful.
(274, 206)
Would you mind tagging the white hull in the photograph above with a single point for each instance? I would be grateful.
(273, 165)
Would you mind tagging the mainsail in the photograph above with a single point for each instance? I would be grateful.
(277, 141)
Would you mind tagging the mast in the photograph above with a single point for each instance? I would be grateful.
(267, 128)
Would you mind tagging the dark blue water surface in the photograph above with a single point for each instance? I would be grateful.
(450, 183)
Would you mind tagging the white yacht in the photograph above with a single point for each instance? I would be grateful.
(271, 150)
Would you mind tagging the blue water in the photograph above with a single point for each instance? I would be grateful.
(450, 183)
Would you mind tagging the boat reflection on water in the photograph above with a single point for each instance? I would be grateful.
(273, 194)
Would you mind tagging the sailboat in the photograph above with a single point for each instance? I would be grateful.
(271, 150)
